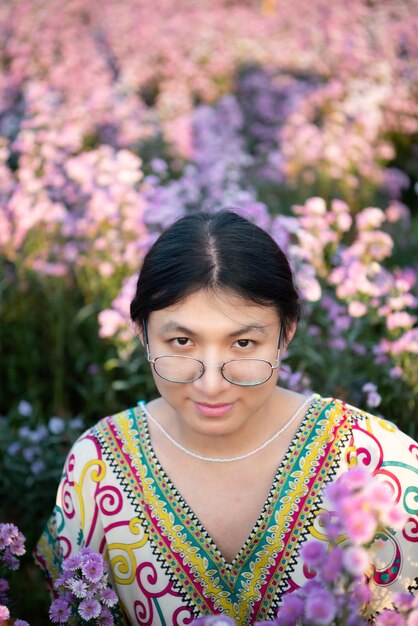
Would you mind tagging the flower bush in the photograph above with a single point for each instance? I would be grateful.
(116, 120)
(11, 548)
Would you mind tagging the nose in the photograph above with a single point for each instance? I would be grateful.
(211, 383)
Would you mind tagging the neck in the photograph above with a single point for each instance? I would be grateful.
(255, 434)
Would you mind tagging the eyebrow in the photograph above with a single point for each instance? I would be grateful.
(171, 326)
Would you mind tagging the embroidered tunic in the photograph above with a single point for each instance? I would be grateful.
(117, 499)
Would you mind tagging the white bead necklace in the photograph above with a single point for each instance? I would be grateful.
(234, 458)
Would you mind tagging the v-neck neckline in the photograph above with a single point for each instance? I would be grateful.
(160, 474)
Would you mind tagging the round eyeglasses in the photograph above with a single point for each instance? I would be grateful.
(186, 369)
(246, 372)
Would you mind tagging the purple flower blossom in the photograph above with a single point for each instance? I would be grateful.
(89, 609)
(290, 611)
(20, 622)
(320, 607)
(214, 620)
(105, 618)
(59, 611)
(108, 597)
(84, 585)
(332, 566)
(313, 553)
(78, 588)
(92, 570)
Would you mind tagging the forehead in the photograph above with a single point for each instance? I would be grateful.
(223, 312)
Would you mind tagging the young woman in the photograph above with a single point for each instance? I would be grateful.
(202, 498)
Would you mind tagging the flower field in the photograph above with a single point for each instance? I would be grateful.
(116, 119)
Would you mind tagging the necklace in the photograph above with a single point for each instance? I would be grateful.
(234, 458)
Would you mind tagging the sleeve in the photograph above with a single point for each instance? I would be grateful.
(75, 521)
(391, 456)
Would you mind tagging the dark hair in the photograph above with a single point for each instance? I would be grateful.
(216, 251)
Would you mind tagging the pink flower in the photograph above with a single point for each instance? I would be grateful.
(110, 322)
(390, 618)
(4, 612)
(394, 518)
(361, 525)
(412, 619)
(400, 319)
(370, 218)
(357, 309)
(356, 560)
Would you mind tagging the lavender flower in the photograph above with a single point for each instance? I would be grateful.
(89, 609)
(59, 611)
(84, 589)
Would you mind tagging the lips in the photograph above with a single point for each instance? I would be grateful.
(213, 410)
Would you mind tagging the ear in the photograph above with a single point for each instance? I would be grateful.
(291, 334)
(139, 331)
(285, 344)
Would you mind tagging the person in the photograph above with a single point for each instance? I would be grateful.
(202, 498)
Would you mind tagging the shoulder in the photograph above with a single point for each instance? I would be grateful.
(89, 447)
(373, 433)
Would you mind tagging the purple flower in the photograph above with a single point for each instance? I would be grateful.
(63, 579)
(59, 611)
(56, 425)
(214, 620)
(25, 408)
(313, 553)
(72, 563)
(11, 536)
(4, 585)
(105, 618)
(290, 611)
(320, 607)
(20, 622)
(332, 566)
(10, 561)
(78, 587)
(404, 601)
(92, 570)
(109, 597)
(89, 609)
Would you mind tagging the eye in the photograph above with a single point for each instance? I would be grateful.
(245, 343)
(179, 341)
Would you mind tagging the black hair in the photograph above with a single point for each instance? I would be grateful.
(216, 251)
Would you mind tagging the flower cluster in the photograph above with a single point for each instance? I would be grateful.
(337, 593)
(84, 590)
(11, 547)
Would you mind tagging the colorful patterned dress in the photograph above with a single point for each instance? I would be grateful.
(116, 498)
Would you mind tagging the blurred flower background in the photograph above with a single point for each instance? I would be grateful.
(116, 119)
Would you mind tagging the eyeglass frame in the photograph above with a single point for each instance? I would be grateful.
(204, 365)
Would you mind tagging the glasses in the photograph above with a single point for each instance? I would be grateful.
(187, 369)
